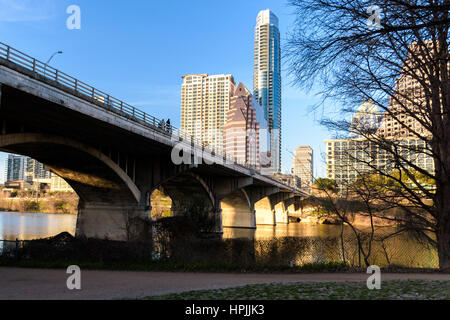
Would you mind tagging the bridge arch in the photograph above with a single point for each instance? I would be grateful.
(265, 212)
(160, 204)
(86, 169)
(238, 211)
(188, 189)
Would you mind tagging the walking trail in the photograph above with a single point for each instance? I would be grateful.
(42, 284)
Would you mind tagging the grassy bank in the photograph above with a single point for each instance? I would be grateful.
(211, 267)
(390, 290)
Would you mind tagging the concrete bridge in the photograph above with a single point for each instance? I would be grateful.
(114, 156)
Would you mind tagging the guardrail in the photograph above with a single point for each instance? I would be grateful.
(49, 73)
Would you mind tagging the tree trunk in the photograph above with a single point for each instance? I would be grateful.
(443, 234)
(442, 204)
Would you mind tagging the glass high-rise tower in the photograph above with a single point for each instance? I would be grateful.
(267, 79)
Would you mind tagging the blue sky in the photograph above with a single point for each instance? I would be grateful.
(138, 50)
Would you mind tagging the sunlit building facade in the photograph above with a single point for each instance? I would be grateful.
(205, 101)
(24, 168)
(26, 171)
(58, 184)
(15, 167)
(347, 159)
(245, 131)
(400, 127)
(410, 97)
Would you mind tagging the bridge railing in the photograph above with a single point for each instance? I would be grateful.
(49, 73)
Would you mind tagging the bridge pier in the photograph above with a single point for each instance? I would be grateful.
(238, 211)
(216, 213)
(265, 212)
(281, 214)
(120, 222)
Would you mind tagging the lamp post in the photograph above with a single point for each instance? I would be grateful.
(51, 57)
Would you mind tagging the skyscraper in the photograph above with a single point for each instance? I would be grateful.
(267, 79)
(347, 159)
(25, 168)
(205, 101)
(15, 167)
(245, 129)
(367, 119)
(409, 97)
(302, 166)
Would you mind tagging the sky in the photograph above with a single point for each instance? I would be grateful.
(138, 50)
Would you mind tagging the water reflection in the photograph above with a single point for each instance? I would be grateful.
(28, 226)
(302, 243)
(283, 230)
(299, 242)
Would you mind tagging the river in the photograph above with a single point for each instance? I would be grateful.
(322, 240)
(28, 226)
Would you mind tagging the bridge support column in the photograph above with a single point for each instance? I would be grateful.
(217, 215)
(265, 212)
(238, 211)
(281, 214)
(113, 222)
(181, 208)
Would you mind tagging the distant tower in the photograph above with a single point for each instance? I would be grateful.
(267, 79)
(303, 166)
(366, 119)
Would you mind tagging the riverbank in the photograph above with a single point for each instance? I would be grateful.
(53, 203)
(286, 255)
(42, 284)
(210, 267)
(311, 215)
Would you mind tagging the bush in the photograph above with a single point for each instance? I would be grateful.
(32, 206)
(61, 206)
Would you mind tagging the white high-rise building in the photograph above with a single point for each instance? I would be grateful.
(267, 79)
(205, 101)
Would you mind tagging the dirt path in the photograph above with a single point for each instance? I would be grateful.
(18, 283)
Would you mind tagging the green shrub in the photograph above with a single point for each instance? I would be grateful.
(32, 206)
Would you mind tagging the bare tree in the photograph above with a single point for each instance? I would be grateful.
(357, 199)
(401, 65)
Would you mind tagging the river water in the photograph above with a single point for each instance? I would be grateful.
(28, 226)
(322, 241)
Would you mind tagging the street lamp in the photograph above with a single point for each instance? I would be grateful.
(45, 67)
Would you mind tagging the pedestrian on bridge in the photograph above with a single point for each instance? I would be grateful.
(168, 126)
(161, 124)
